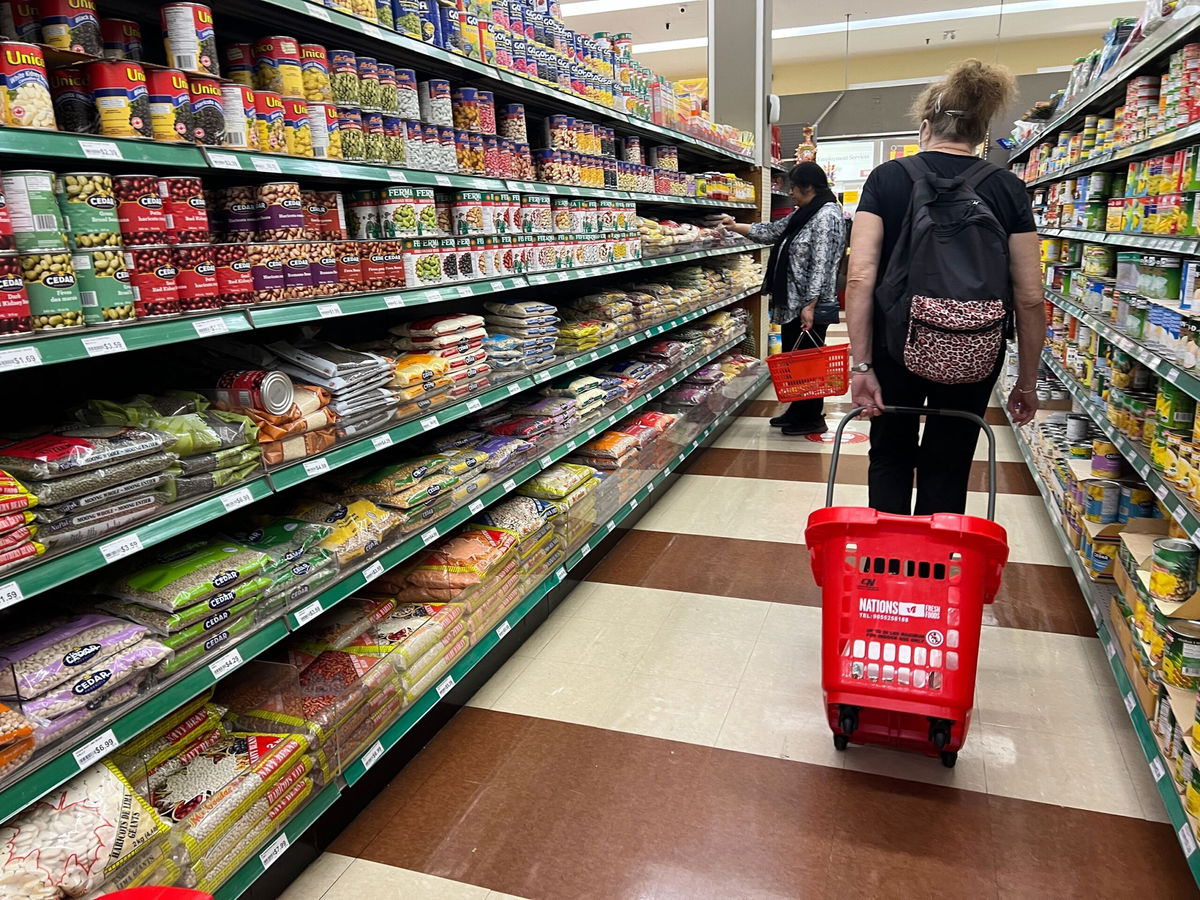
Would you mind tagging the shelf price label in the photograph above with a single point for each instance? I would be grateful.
(1157, 769)
(19, 358)
(10, 593)
(329, 310)
(226, 664)
(502, 630)
(373, 571)
(445, 686)
(585, 549)
(433, 297)
(544, 462)
(372, 755)
(123, 546)
(224, 161)
(509, 486)
(1187, 840)
(397, 176)
(1130, 702)
(103, 344)
(429, 422)
(1161, 492)
(394, 301)
(209, 327)
(561, 573)
(306, 614)
(429, 536)
(474, 405)
(542, 376)
(265, 164)
(237, 499)
(610, 525)
(314, 467)
(514, 388)
(1110, 650)
(381, 441)
(443, 180)
(633, 504)
(476, 507)
(99, 746)
(274, 850)
(318, 12)
(101, 150)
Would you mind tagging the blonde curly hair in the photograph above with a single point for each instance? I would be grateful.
(960, 106)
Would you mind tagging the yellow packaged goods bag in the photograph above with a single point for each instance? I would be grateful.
(359, 526)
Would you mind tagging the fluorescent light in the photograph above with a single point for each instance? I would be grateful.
(899, 82)
(592, 7)
(1050, 70)
(685, 44)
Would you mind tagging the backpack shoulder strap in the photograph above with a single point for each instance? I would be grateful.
(916, 167)
(978, 174)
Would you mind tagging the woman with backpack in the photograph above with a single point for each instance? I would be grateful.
(944, 258)
(801, 277)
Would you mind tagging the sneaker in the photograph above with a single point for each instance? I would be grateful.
(801, 428)
(779, 421)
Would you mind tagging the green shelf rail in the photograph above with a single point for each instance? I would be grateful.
(1160, 243)
(78, 147)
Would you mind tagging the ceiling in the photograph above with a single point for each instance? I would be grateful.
(683, 20)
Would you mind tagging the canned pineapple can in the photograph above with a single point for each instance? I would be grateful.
(1176, 410)
(1181, 654)
(1173, 570)
(1102, 501)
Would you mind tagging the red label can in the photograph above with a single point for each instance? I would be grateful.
(183, 202)
(324, 267)
(153, 275)
(323, 216)
(22, 20)
(140, 210)
(374, 265)
(15, 317)
(234, 280)
(170, 105)
(189, 39)
(239, 64)
(72, 25)
(350, 270)
(393, 259)
(267, 269)
(122, 39)
(196, 278)
(118, 88)
(6, 226)
(270, 391)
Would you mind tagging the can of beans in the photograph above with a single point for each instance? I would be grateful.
(280, 211)
(324, 268)
(241, 125)
(343, 78)
(234, 279)
(52, 289)
(27, 99)
(268, 115)
(122, 101)
(240, 209)
(277, 66)
(89, 208)
(208, 110)
(349, 265)
(374, 140)
(185, 208)
(350, 131)
(393, 261)
(297, 270)
(368, 83)
(140, 210)
(362, 215)
(74, 109)
(314, 71)
(71, 25)
(153, 273)
(323, 120)
(21, 20)
(170, 105)
(196, 277)
(15, 317)
(239, 64)
(37, 221)
(393, 140)
(104, 286)
(297, 131)
(122, 39)
(324, 219)
(374, 266)
(266, 268)
(189, 39)
(267, 390)
(7, 238)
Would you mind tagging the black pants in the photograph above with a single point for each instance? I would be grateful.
(803, 412)
(942, 459)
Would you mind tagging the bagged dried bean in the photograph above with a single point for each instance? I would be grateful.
(359, 526)
(73, 722)
(462, 559)
(214, 641)
(168, 737)
(78, 449)
(182, 486)
(87, 685)
(35, 666)
(180, 578)
(100, 485)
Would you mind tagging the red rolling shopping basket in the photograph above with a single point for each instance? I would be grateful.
(808, 374)
(902, 611)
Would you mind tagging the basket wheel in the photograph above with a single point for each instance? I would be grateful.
(949, 758)
(840, 742)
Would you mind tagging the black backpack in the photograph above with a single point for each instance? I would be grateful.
(946, 296)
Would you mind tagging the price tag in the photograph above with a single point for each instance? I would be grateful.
(121, 547)
(586, 549)
(476, 507)
(429, 536)
(274, 850)
(542, 376)
(99, 746)
(101, 150)
(395, 301)
(224, 161)
(397, 175)
(19, 358)
(650, 488)
(328, 170)
(537, 279)
(502, 630)
(1161, 492)
(445, 686)
(103, 344)
(571, 363)
(1187, 840)
(429, 422)
(373, 571)
(10, 593)
(381, 441)
(265, 164)
(433, 296)
(514, 388)
(561, 574)
(593, 356)
(610, 525)
(314, 467)
(443, 180)
(236, 499)
(226, 664)
(545, 462)
(318, 12)
(209, 327)
(306, 614)
(633, 504)
(695, 444)
(1130, 702)
(1157, 769)
(474, 405)
(328, 310)
(1178, 513)
(371, 31)
(1110, 650)
(509, 486)
(372, 756)
(571, 445)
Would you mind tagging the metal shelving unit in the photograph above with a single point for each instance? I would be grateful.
(1160, 243)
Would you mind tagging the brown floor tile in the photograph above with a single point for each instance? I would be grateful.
(1033, 597)
(785, 465)
(770, 408)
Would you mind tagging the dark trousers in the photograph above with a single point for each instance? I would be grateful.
(941, 460)
(803, 412)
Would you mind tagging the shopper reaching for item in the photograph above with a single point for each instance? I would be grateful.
(928, 312)
(801, 276)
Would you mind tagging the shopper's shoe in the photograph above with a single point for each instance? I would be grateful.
(779, 421)
(800, 428)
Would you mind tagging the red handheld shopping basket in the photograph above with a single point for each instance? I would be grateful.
(902, 611)
(808, 374)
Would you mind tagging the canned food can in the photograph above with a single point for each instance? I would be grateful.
(1078, 427)
(1176, 410)
(1102, 500)
(1192, 796)
(154, 276)
(374, 266)
(270, 391)
(343, 78)
(324, 267)
(297, 270)
(280, 211)
(239, 64)
(314, 73)
(374, 139)
(170, 105)
(297, 130)
(241, 117)
(1137, 502)
(21, 20)
(185, 208)
(104, 286)
(350, 130)
(7, 238)
(140, 210)
(362, 215)
(71, 25)
(15, 317)
(27, 102)
(196, 277)
(1181, 654)
(268, 114)
(349, 263)
(37, 221)
(122, 39)
(1173, 570)
(240, 209)
(277, 66)
(74, 107)
(234, 278)
(122, 101)
(323, 120)
(267, 270)
(324, 217)
(208, 110)
(53, 290)
(189, 38)
(89, 208)
(368, 84)
(1107, 461)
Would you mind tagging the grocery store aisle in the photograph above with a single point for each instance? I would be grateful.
(662, 735)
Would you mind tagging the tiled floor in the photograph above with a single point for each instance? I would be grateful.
(663, 734)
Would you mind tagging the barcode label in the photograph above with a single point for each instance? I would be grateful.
(397, 175)
(514, 388)
(209, 327)
(103, 344)
(586, 549)
(372, 756)
(1130, 702)
(19, 358)
(610, 525)
(545, 462)
(1157, 769)
(429, 422)
(429, 536)
(444, 688)
(328, 310)
(186, 61)
(443, 180)
(236, 499)
(1187, 840)
(314, 467)
(89, 299)
(10, 593)
(474, 405)
(121, 547)
(1161, 492)
(561, 574)
(236, 138)
(274, 850)
(306, 614)
(476, 506)
(433, 296)
(104, 149)
(395, 301)
(373, 571)
(226, 664)
(503, 629)
(224, 161)
(464, 290)
(542, 376)
(101, 745)
(633, 504)
(265, 164)
(509, 486)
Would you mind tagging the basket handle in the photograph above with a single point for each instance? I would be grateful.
(918, 411)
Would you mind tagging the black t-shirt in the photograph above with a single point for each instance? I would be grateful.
(888, 189)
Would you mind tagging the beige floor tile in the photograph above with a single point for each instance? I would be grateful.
(498, 683)
(566, 692)
(366, 878)
(709, 614)
(782, 724)
(671, 709)
(968, 773)
(318, 878)
(1008, 654)
(1060, 769)
(787, 623)
(618, 602)
(616, 644)
(496, 895)
(689, 656)
(781, 667)
(547, 630)
(1053, 706)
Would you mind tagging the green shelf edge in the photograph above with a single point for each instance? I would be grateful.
(1145, 735)
(1159, 243)
(253, 868)
(65, 145)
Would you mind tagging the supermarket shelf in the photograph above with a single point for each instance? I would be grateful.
(1171, 140)
(250, 872)
(1097, 597)
(59, 769)
(1159, 243)
(1157, 44)
(76, 147)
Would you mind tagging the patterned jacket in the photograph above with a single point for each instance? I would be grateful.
(815, 254)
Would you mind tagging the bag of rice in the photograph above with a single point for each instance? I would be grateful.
(413, 368)
(519, 308)
(437, 326)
